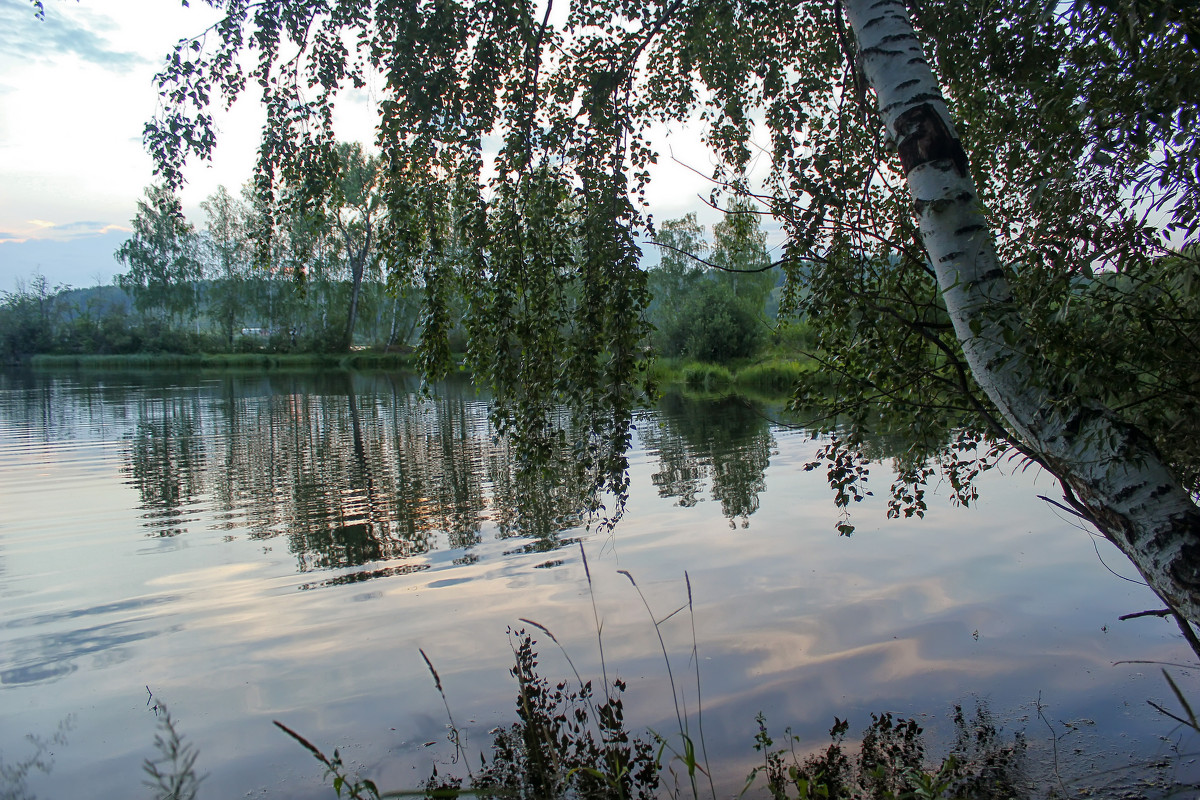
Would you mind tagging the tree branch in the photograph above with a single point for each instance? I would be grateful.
(708, 263)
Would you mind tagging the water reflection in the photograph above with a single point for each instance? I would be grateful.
(48, 652)
(726, 441)
(165, 460)
(355, 469)
(350, 470)
(165, 525)
(49, 656)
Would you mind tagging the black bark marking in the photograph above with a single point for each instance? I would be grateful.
(989, 276)
(907, 84)
(963, 231)
(1160, 491)
(1183, 569)
(950, 256)
(925, 138)
(880, 51)
(1073, 423)
(897, 37)
(917, 60)
(916, 98)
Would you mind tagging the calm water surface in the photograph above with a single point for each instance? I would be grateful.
(259, 548)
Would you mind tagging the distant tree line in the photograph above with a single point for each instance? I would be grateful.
(321, 281)
(315, 281)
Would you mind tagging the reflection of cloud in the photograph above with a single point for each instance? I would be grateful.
(21, 36)
(36, 659)
(877, 663)
(48, 656)
(106, 608)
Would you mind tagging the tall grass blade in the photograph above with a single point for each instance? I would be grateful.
(305, 743)
(1191, 717)
(680, 718)
(596, 618)
(699, 695)
(455, 735)
(437, 681)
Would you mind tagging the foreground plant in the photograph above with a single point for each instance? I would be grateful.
(891, 763)
(355, 788)
(566, 742)
(14, 775)
(172, 774)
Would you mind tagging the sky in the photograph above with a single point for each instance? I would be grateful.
(75, 92)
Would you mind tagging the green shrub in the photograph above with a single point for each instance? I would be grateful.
(711, 325)
(707, 377)
(793, 337)
(777, 377)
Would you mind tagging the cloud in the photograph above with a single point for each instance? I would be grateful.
(63, 32)
(41, 230)
(84, 228)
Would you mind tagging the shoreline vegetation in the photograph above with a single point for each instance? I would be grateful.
(364, 360)
(568, 738)
(773, 377)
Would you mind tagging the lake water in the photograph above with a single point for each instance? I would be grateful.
(282, 547)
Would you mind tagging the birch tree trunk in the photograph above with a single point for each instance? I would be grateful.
(1107, 467)
(357, 254)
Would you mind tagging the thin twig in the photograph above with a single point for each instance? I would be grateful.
(1160, 612)
(708, 263)
(1053, 742)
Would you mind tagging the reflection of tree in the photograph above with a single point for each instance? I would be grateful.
(535, 505)
(559, 488)
(349, 473)
(349, 469)
(727, 441)
(166, 460)
(163, 427)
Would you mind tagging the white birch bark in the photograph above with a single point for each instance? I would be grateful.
(1110, 468)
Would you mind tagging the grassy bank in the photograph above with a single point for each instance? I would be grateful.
(774, 377)
(242, 361)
